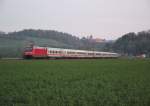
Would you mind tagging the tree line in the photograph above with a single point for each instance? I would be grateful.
(12, 44)
(130, 44)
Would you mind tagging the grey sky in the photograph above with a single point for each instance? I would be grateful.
(102, 18)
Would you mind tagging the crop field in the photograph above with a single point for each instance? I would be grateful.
(110, 82)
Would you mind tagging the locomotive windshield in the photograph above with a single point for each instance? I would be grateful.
(28, 49)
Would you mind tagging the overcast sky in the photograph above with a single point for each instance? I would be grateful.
(101, 18)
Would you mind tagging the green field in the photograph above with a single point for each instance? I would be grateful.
(75, 82)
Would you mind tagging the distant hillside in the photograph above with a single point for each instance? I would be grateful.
(12, 44)
(133, 44)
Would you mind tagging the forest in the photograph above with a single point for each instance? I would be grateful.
(12, 44)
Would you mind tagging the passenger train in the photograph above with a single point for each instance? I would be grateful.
(59, 53)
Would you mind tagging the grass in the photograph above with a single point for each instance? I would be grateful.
(75, 82)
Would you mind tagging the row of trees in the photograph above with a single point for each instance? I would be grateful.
(133, 44)
(130, 44)
(12, 43)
